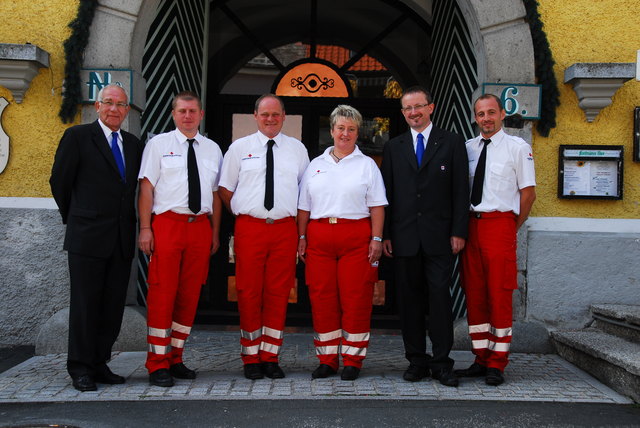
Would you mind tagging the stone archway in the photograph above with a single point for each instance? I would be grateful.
(500, 35)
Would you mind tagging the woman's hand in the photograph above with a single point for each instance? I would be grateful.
(375, 251)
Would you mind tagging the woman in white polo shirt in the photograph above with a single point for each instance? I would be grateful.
(340, 221)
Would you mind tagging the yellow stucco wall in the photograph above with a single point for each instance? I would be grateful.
(33, 126)
(590, 31)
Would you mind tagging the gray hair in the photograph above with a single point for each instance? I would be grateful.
(345, 112)
(113, 85)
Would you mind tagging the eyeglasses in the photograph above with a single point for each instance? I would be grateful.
(110, 104)
(409, 109)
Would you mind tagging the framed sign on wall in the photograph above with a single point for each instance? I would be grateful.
(590, 172)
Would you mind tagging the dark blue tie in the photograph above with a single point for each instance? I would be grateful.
(117, 154)
(420, 148)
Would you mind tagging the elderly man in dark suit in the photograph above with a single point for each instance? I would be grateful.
(425, 227)
(93, 181)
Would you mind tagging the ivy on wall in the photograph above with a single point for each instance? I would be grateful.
(544, 70)
(74, 48)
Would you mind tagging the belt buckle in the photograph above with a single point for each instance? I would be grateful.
(333, 220)
(269, 221)
(191, 219)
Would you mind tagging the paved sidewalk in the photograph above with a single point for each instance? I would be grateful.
(215, 355)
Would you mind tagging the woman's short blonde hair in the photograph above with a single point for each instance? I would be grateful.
(345, 112)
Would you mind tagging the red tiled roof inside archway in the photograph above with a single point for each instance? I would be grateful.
(339, 56)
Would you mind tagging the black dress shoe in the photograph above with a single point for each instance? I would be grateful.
(445, 376)
(105, 375)
(161, 377)
(181, 371)
(253, 371)
(84, 383)
(323, 370)
(272, 370)
(474, 370)
(415, 373)
(350, 373)
(494, 377)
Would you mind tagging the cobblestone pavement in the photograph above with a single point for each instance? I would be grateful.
(215, 355)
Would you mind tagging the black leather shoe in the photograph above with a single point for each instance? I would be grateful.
(415, 373)
(84, 383)
(350, 373)
(272, 370)
(494, 377)
(253, 371)
(181, 371)
(323, 370)
(161, 377)
(445, 376)
(474, 370)
(105, 375)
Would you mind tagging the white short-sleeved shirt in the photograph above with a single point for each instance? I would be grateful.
(244, 170)
(346, 189)
(509, 168)
(164, 164)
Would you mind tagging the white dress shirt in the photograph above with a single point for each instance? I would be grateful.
(426, 134)
(107, 134)
(164, 164)
(509, 168)
(244, 170)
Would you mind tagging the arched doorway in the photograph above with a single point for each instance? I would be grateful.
(450, 47)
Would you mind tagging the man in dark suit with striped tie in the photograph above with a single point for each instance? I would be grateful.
(93, 181)
(425, 227)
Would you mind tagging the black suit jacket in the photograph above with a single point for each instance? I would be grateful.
(94, 203)
(427, 204)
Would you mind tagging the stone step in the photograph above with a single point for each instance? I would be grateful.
(611, 359)
(619, 320)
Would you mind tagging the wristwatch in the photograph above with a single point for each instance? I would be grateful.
(376, 238)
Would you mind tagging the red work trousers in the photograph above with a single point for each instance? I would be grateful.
(265, 274)
(489, 276)
(179, 266)
(340, 280)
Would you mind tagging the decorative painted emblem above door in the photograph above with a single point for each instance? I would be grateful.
(312, 78)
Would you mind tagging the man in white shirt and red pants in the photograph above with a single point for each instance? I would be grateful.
(503, 190)
(259, 184)
(178, 185)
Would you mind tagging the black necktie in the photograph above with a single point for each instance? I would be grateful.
(268, 188)
(478, 179)
(193, 178)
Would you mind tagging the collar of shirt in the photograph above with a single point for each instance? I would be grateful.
(326, 155)
(496, 139)
(108, 132)
(182, 139)
(264, 139)
(425, 133)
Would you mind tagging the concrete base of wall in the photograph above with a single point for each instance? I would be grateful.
(569, 271)
(52, 338)
(34, 279)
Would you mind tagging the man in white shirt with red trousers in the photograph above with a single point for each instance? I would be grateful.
(179, 211)
(259, 185)
(502, 193)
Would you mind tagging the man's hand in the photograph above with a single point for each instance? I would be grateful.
(387, 248)
(457, 244)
